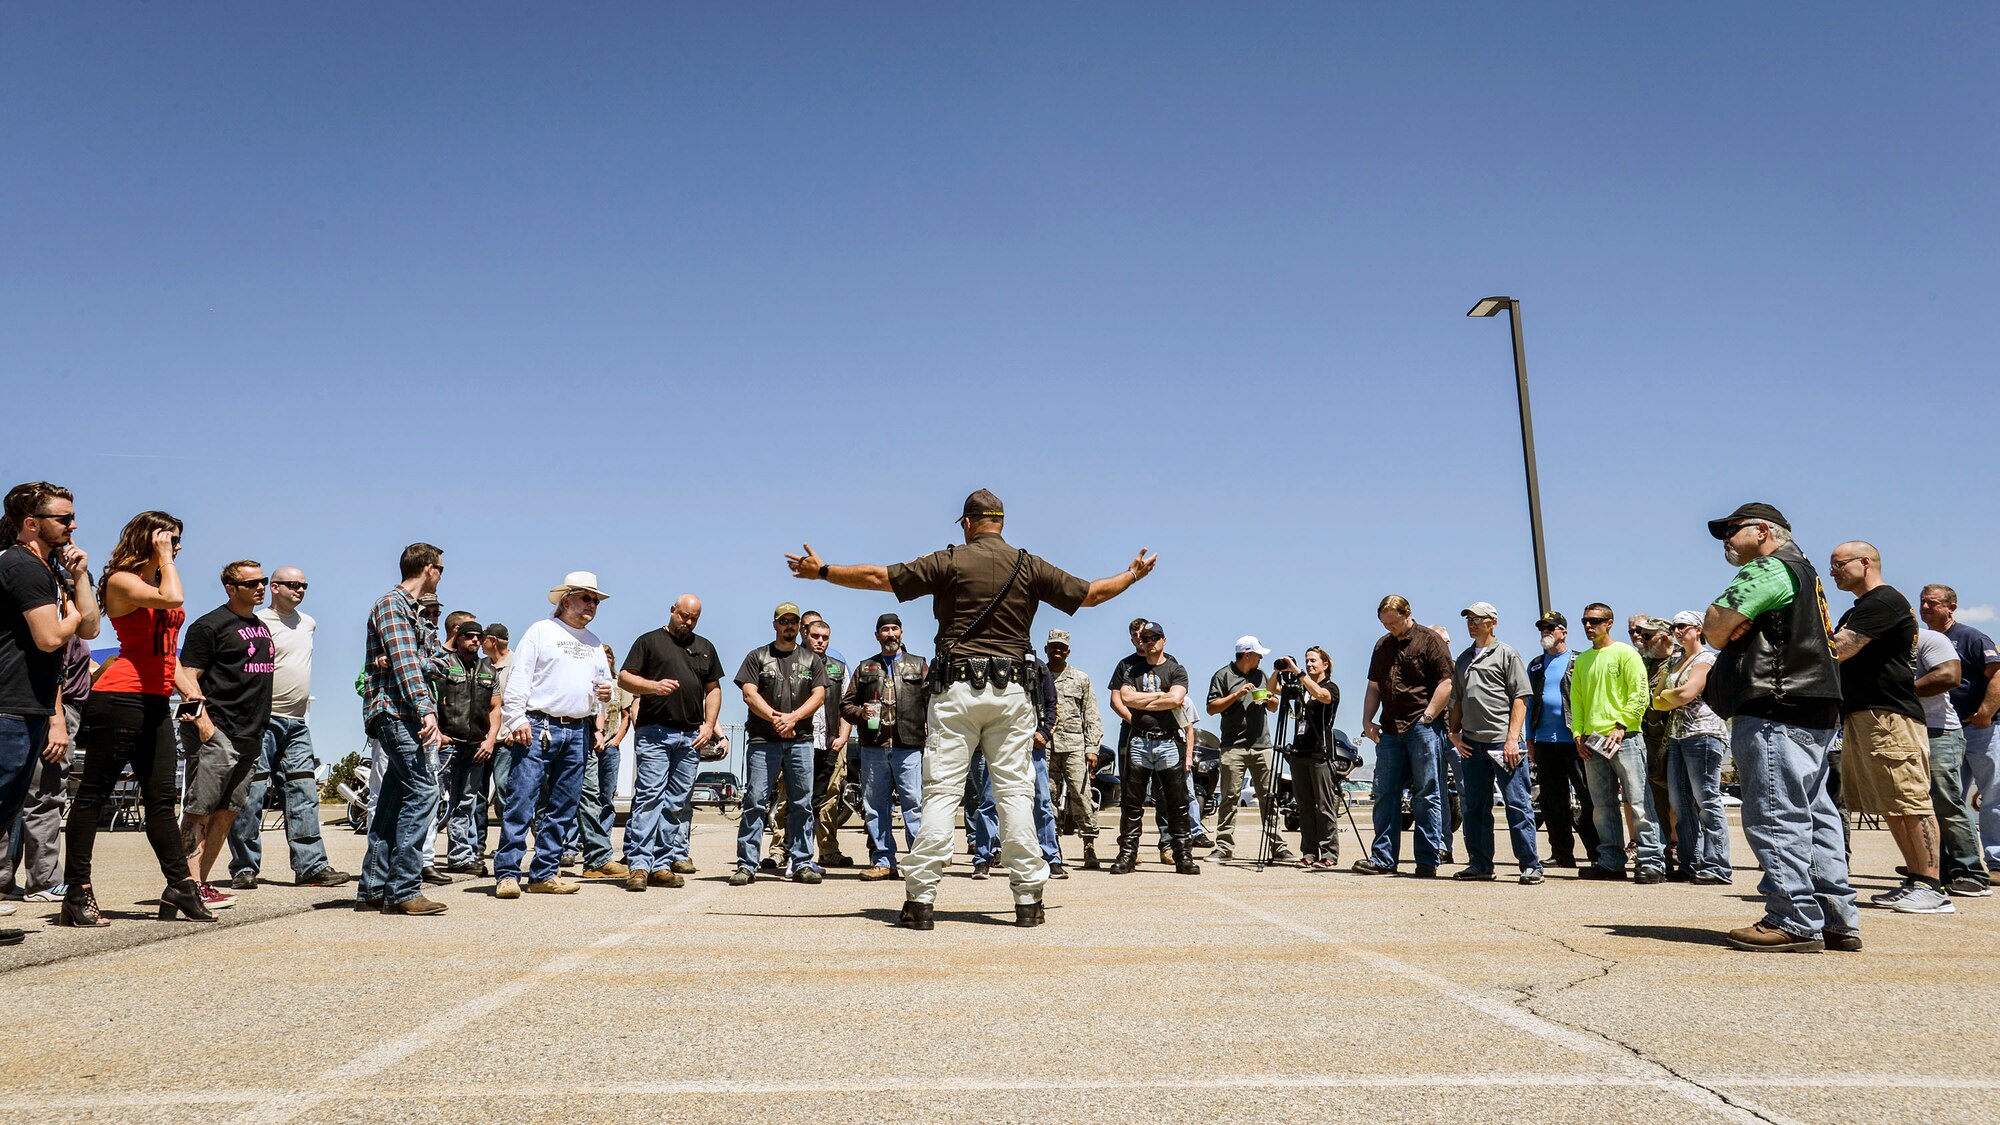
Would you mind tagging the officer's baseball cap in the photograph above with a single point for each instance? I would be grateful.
(889, 619)
(982, 505)
(1553, 619)
(1059, 637)
(785, 609)
(1754, 510)
(1479, 609)
(1152, 629)
(497, 630)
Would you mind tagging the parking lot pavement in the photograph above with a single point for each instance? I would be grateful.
(1274, 995)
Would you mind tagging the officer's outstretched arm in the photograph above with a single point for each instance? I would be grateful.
(865, 577)
(1104, 589)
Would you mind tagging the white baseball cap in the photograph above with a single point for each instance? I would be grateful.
(1249, 644)
(1479, 609)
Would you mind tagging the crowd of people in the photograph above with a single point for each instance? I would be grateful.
(1887, 713)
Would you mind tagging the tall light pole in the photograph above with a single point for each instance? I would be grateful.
(1491, 306)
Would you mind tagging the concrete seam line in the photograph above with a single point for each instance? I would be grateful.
(286, 1106)
(1524, 1080)
(1521, 1019)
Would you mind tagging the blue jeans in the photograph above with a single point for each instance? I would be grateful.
(1982, 772)
(1448, 763)
(766, 762)
(465, 794)
(886, 770)
(542, 793)
(1477, 778)
(22, 738)
(1958, 838)
(1407, 760)
(405, 798)
(1694, 786)
(982, 815)
(664, 764)
(289, 760)
(598, 811)
(1794, 829)
(1615, 785)
(1045, 811)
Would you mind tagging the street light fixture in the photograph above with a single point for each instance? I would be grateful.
(1492, 306)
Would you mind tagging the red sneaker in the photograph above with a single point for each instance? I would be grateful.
(216, 900)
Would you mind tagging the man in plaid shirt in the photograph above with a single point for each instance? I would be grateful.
(399, 713)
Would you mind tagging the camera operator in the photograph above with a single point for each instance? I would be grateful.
(1311, 755)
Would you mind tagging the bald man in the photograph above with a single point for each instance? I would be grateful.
(287, 759)
(677, 676)
(1885, 750)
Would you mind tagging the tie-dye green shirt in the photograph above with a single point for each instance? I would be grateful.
(1761, 586)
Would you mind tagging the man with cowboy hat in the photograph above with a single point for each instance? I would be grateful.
(556, 682)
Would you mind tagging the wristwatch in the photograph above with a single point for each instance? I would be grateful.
(823, 568)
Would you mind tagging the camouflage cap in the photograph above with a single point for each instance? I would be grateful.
(1059, 637)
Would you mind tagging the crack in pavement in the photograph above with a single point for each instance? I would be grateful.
(1528, 997)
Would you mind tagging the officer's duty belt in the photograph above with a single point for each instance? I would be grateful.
(978, 670)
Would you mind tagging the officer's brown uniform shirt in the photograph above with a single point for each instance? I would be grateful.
(961, 581)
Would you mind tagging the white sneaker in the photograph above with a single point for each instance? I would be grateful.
(53, 894)
(1889, 899)
(1925, 899)
(7, 908)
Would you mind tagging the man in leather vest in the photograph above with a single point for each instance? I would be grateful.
(984, 596)
(885, 703)
(1776, 681)
(468, 710)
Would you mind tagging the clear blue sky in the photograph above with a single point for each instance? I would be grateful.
(661, 291)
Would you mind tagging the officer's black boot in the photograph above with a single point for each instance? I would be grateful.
(1184, 863)
(916, 916)
(1028, 914)
(1128, 858)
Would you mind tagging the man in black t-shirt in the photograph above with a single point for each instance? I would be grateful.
(1885, 750)
(677, 676)
(35, 531)
(1153, 691)
(226, 663)
(784, 685)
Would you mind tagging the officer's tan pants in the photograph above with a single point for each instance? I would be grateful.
(1002, 724)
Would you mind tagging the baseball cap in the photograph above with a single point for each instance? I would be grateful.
(982, 505)
(1651, 624)
(1553, 618)
(1059, 637)
(1688, 617)
(785, 609)
(1479, 609)
(1249, 644)
(1146, 627)
(497, 630)
(465, 627)
(889, 619)
(428, 600)
(1754, 510)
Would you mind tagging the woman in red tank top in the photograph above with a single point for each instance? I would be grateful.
(128, 718)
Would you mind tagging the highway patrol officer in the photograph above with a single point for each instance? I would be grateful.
(984, 596)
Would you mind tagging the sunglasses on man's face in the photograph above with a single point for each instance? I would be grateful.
(299, 586)
(65, 520)
(1547, 628)
(251, 583)
(1597, 621)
